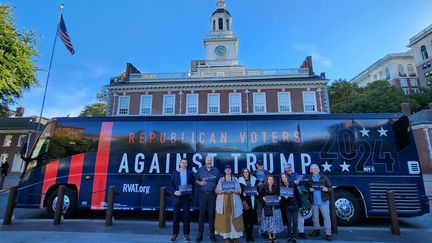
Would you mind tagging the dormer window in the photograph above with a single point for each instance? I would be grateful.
(220, 24)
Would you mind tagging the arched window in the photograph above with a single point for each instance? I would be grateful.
(214, 25)
(387, 73)
(381, 75)
(220, 24)
(375, 77)
(424, 52)
(401, 70)
(410, 68)
(227, 24)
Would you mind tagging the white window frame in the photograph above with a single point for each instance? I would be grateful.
(8, 140)
(413, 82)
(406, 91)
(403, 82)
(20, 138)
(120, 103)
(314, 103)
(256, 103)
(148, 106)
(209, 108)
(189, 105)
(280, 105)
(232, 106)
(165, 105)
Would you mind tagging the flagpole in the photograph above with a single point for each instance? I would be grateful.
(49, 71)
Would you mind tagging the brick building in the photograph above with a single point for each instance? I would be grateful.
(218, 84)
(14, 132)
(421, 123)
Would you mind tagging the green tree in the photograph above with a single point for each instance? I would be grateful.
(17, 70)
(378, 96)
(341, 92)
(423, 97)
(98, 108)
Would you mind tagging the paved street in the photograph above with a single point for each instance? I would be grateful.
(32, 225)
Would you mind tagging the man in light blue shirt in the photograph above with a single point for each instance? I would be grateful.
(320, 186)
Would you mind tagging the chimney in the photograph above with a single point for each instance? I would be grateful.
(406, 109)
(19, 112)
(322, 75)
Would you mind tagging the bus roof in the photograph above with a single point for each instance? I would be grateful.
(236, 117)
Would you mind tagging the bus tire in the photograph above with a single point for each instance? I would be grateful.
(348, 208)
(69, 203)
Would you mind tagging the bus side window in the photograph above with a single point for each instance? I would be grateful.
(401, 131)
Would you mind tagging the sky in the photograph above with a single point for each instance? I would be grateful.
(343, 37)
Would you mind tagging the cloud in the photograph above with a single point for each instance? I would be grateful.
(316, 56)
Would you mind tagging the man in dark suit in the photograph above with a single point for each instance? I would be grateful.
(180, 186)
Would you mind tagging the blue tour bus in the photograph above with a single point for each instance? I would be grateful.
(364, 156)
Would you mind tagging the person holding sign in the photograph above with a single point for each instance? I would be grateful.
(320, 186)
(229, 207)
(206, 178)
(260, 173)
(290, 198)
(181, 187)
(303, 192)
(248, 193)
(272, 216)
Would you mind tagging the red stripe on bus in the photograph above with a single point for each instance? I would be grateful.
(75, 171)
(101, 166)
(49, 178)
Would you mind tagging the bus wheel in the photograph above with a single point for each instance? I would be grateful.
(348, 209)
(69, 203)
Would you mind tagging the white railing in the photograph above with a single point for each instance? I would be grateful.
(290, 72)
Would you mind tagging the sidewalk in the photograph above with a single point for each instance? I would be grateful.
(147, 231)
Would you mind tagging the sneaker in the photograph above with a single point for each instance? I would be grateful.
(302, 235)
(328, 238)
(173, 238)
(186, 238)
(315, 233)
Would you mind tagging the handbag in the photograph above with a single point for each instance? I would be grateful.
(245, 205)
(268, 211)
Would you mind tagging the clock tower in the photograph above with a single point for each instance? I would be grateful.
(221, 43)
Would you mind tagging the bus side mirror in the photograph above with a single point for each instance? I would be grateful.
(23, 149)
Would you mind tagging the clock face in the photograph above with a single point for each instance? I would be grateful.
(221, 50)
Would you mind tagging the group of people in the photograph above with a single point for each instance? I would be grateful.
(233, 205)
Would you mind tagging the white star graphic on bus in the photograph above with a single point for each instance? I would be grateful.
(382, 132)
(326, 166)
(345, 167)
(364, 132)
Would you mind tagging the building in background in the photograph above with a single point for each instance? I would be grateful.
(218, 84)
(421, 123)
(14, 132)
(421, 47)
(397, 68)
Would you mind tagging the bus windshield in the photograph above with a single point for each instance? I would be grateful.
(40, 150)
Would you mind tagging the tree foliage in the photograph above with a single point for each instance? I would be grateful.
(378, 96)
(17, 70)
(98, 108)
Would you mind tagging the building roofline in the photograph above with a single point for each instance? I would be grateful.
(416, 38)
(385, 58)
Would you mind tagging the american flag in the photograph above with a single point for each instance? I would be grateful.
(64, 36)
